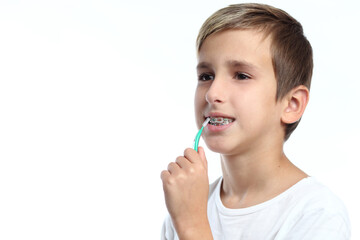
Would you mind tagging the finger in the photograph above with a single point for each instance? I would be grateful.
(173, 168)
(165, 174)
(203, 157)
(192, 155)
(182, 162)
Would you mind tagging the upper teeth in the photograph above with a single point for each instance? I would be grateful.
(220, 120)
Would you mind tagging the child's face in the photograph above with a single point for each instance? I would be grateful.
(236, 79)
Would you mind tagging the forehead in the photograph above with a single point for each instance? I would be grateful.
(248, 46)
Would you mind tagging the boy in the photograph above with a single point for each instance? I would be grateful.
(254, 73)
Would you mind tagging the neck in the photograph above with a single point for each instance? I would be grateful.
(249, 179)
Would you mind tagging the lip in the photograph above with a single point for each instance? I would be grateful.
(218, 114)
(213, 128)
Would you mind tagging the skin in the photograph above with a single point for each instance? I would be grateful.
(236, 78)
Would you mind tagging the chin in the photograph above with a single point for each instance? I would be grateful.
(217, 147)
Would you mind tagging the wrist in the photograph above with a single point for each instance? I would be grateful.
(189, 230)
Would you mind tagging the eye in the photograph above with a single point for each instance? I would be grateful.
(241, 76)
(206, 77)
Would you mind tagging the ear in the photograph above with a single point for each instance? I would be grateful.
(294, 104)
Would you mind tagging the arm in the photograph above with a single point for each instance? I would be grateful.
(186, 189)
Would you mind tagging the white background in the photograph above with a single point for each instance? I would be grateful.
(96, 97)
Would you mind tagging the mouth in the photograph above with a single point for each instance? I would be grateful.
(220, 121)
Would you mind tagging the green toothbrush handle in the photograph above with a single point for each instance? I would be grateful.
(197, 139)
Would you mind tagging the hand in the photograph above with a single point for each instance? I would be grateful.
(186, 189)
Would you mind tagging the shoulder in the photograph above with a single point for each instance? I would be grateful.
(315, 196)
(168, 231)
(316, 213)
(214, 185)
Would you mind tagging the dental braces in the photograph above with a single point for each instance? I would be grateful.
(220, 121)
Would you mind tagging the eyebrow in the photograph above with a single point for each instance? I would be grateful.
(236, 63)
(230, 63)
(203, 65)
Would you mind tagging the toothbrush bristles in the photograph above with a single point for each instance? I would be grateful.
(206, 122)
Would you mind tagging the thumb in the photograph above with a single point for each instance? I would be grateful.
(202, 156)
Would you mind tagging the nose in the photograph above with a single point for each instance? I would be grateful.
(216, 92)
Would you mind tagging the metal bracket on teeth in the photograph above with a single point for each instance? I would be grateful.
(217, 120)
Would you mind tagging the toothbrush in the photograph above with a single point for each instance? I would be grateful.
(197, 138)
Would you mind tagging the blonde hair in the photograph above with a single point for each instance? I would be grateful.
(291, 52)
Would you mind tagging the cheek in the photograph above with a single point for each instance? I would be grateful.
(199, 104)
(254, 106)
(199, 100)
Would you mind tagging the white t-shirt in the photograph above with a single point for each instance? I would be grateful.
(307, 210)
